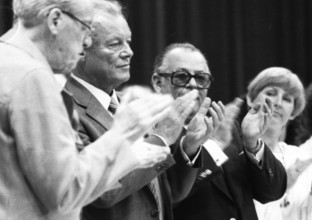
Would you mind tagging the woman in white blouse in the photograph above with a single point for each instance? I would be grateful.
(286, 92)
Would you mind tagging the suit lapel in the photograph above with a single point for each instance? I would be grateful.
(235, 172)
(69, 103)
(97, 112)
(92, 106)
(219, 182)
(216, 177)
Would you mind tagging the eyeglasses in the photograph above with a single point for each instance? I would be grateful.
(88, 27)
(181, 78)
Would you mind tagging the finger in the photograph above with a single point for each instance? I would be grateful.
(218, 110)
(141, 116)
(187, 110)
(233, 109)
(255, 108)
(269, 105)
(157, 113)
(193, 94)
(266, 109)
(215, 118)
(126, 98)
(137, 91)
(184, 101)
(238, 102)
(152, 104)
(222, 106)
(132, 92)
(204, 106)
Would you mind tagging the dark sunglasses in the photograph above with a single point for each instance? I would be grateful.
(181, 78)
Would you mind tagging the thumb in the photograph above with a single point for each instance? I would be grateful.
(255, 108)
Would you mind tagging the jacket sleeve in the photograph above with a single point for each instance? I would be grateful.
(269, 182)
(62, 178)
(181, 176)
(135, 180)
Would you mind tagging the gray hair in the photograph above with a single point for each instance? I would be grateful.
(112, 7)
(161, 56)
(102, 9)
(32, 12)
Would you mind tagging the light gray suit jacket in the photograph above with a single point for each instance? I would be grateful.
(42, 175)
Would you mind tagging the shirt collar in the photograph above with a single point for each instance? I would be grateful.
(99, 94)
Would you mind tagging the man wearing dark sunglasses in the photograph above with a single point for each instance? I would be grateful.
(228, 182)
(173, 75)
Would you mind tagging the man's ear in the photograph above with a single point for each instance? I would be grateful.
(55, 20)
(157, 82)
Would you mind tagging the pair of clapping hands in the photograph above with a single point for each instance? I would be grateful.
(141, 111)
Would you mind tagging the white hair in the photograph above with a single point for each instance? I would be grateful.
(31, 12)
(103, 10)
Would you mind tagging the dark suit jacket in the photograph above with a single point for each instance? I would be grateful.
(228, 192)
(134, 200)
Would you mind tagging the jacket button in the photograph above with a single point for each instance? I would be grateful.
(154, 213)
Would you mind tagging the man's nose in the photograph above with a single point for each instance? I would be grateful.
(192, 83)
(127, 51)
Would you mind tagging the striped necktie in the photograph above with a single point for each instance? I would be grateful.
(112, 106)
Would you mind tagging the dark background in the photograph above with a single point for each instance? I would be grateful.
(239, 37)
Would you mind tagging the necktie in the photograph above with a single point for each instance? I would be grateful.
(112, 106)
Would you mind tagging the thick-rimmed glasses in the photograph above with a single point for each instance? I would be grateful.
(88, 27)
(181, 78)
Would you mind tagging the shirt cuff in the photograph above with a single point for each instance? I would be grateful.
(258, 157)
(162, 139)
(184, 155)
(215, 152)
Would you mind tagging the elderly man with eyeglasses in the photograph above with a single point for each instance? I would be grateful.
(228, 181)
(42, 173)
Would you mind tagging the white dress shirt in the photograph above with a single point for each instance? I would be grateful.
(99, 94)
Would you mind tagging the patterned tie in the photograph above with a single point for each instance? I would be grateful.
(112, 106)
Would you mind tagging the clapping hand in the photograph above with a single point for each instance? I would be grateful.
(171, 126)
(201, 127)
(140, 110)
(223, 134)
(255, 123)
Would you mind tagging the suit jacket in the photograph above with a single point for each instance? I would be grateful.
(42, 176)
(228, 191)
(134, 200)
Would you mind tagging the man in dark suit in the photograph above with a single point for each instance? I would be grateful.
(145, 193)
(227, 183)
